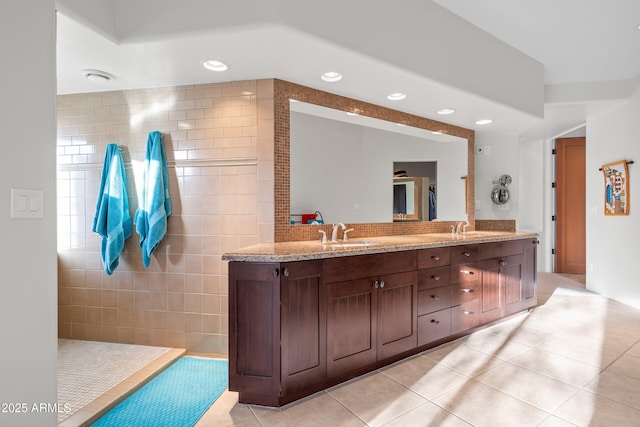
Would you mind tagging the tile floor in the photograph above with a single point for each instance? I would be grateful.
(573, 361)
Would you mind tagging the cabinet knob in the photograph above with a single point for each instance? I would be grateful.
(435, 277)
(435, 297)
(467, 290)
(502, 261)
(276, 272)
(376, 284)
(435, 257)
(466, 253)
(467, 313)
(285, 272)
(435, 321)
(382, 283)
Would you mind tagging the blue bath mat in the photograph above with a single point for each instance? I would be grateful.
(179, 396)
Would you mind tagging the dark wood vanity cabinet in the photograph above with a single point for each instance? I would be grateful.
(299, 327)
(372, 316)
(277, 334)
(498, 282)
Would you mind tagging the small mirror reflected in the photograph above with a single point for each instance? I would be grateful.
(414, 191)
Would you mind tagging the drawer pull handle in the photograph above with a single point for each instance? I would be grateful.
(466, 272)
(435, 321)
(435, 297)
(467, 313)
(466, 253)
(435, 257)
(435, 277)
(467, 290)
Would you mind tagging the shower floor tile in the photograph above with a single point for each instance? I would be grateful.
(95, 376)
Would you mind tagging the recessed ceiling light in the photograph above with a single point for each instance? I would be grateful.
(396, 96)
(331, 76)
(446, 111)
(214, 65)
(97, 76)
(484, 122)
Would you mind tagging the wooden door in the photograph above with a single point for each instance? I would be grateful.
(570, 206)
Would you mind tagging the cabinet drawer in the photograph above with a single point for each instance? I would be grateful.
(434, 299)
(434, 326)
(480, 251)
(465, 273)
(465, 253)
(358, 266)
(434, 277)
(465, 316)
(465, 292)
(434, 257)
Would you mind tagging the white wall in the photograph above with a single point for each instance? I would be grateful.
(612, 242)
(28, 316)
(500, 156)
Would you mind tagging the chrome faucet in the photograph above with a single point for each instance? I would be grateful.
(462, 225)
(334, 232)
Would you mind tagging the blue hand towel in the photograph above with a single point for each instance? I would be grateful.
(112, 219)
(155, 205)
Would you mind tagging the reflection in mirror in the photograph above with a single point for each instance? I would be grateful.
(414, 191)
(342, 166)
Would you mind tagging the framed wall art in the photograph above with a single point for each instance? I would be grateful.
(616, 188)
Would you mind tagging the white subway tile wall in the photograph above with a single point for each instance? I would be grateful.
(219, 143)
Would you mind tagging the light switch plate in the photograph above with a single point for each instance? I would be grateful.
(27, 203)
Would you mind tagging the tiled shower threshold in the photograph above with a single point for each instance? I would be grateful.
(133, 376)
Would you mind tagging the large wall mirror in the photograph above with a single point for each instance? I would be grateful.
(356, 169)
(380, 171)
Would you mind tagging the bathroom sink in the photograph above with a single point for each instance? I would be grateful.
(360, 244)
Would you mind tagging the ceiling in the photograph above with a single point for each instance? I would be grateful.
(537, 69)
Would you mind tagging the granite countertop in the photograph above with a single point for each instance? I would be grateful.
(309, 250)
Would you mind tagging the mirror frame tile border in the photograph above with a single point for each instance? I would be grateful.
(283, 230)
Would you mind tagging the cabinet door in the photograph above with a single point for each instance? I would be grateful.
(529, 270)
(254, 331)
(397, 313)
(303, 331)
(512, 277)
(501, 287)
(351, 326)
(492, 301)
